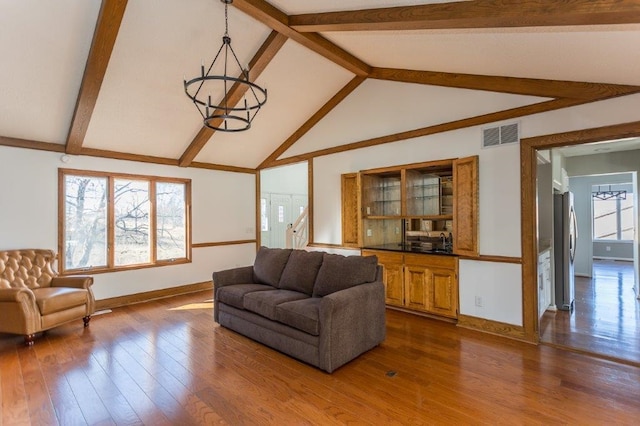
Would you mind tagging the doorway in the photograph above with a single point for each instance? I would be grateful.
(284, 194)
(605, 320)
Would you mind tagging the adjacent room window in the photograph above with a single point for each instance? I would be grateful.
(111, 221)
(613, 218)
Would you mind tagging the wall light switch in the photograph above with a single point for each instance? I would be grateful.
(369, 233)
(608, 248)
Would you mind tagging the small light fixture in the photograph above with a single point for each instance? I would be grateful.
(609, 194)
(229, 115)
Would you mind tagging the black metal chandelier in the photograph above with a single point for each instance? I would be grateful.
(229, 115)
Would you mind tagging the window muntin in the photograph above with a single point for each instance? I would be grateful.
(113, 221)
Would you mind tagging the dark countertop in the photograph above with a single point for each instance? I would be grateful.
(406, 248)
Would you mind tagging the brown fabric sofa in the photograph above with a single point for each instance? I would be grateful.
(320, 308)
(33, 298)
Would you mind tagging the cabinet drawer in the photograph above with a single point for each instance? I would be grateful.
(436, 261)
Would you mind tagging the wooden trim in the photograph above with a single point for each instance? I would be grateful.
(222, 168)
(28, 144)
(257, 65)
(115, 302)
(222, 243)
(439, 128)
(258, 197)
(576, 137)
(310, 200)
(528, 147)
(492, 258)
(336, 246)
(492, 327)
(114, 155)
(315, 118)
(475, 14)
(279, 21)
(513, 85)
(104, 38)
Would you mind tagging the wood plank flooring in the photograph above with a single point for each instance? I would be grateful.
(606, 318)
(165, 362)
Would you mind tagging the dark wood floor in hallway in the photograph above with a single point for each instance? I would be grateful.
(166, 363)
(606, 318)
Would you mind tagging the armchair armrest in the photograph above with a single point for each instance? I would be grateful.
(18, 295)
(242, 275)
(75, 282)
(353, 321)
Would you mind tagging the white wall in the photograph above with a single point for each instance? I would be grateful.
(290, 179)
(29, 216)
(498, 284)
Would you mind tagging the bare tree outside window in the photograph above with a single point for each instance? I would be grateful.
(144, 218)
(131, 221)
(85, 236)
(171, 224)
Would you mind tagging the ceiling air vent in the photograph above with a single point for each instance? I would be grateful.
(501, 135)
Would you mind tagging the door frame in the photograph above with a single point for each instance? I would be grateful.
(528, 164)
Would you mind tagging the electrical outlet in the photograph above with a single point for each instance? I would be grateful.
(608, 248)
(479, 301)
(397, 230)
(369, 233)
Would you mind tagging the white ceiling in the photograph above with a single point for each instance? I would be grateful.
(142, 109)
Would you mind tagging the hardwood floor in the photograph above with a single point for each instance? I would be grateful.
(606, 318)
(166, 362)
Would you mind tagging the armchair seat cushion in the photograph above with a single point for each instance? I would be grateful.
(55, 299)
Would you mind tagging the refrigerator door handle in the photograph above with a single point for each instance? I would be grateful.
(573, 234)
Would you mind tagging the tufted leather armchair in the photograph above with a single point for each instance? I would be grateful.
(33, 298)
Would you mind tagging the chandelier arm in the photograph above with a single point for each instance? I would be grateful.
(208, 71)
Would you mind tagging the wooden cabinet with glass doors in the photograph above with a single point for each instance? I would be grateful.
(417, 218)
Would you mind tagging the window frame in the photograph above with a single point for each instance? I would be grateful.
(110, 225)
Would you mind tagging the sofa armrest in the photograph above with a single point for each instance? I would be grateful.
(74, 282)
(352, 321)
(242, 275)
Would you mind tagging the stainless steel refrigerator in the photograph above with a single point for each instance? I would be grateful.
(565, 233)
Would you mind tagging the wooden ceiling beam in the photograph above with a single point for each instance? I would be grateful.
(104, 38)
(439, 128)
(29, 144)
(473, 14)
(275, 19)
(315, 118)
(257, 65)
(514, 85)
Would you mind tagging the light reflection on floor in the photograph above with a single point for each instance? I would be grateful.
(207, 304)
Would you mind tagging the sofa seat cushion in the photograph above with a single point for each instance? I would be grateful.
(269, 264)
(301, 314)
(55, 299)
(300, 272)
(342, 272)
(264, 302)
(233, 295)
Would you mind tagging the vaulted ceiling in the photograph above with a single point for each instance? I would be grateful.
(104, 78)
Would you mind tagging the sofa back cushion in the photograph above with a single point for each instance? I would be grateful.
(341, 272)
(301, 271)
(269, 264)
